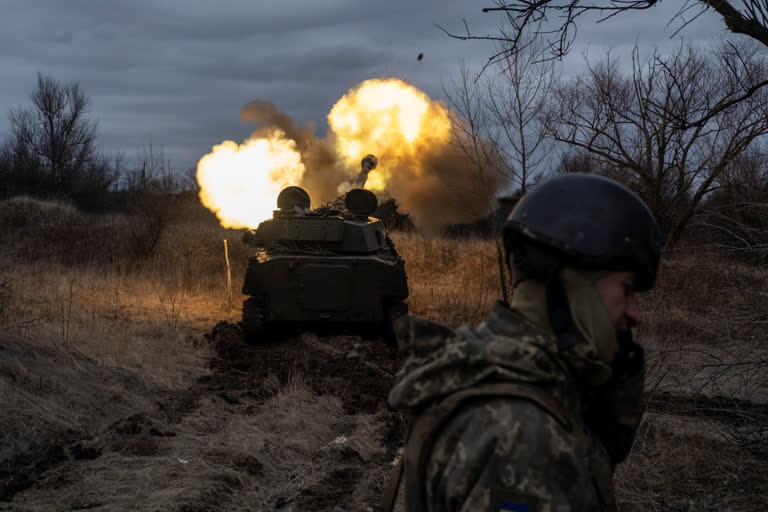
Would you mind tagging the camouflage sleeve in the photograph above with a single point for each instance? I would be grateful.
(503, 454)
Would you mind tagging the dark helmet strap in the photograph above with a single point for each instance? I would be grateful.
(560, 313)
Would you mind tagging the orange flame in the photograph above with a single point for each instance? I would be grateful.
(391, 119)
(387, 117)
(240, 183)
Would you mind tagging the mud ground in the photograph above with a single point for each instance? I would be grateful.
(295, 423)
(300, 423)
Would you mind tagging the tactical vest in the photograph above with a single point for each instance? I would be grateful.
(424, 427)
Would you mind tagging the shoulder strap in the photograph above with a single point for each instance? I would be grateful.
(389, 497)
(423, 427)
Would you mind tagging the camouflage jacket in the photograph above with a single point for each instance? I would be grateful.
(499, 449)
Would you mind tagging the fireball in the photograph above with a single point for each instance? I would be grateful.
(391, 119)
(240, 182)
(386, 117)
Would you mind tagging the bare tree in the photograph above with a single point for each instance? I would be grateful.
(153, 172)
(20, 170)
(190, 180)
(497, 125)
(516, 97)
(55, 132)
(734, 220)
(622, 121)
(51, 149)
(471, 130)
(555, 22)
(153, 188)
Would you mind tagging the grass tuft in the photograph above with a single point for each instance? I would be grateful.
(101, 356)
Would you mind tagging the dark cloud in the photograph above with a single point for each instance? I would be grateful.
(326, 63)
(176, 73)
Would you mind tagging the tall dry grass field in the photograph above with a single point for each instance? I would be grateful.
(450, 281)
(94, 332)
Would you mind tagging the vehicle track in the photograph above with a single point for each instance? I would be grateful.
(243, 378)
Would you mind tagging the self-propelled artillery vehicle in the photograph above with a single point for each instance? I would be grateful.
(334, 264)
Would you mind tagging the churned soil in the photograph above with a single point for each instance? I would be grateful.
(297, 422)
(357, 370)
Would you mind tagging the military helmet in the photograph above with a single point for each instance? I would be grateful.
(587, 220)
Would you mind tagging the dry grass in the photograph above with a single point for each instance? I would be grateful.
(706, 329)
(450, 281)
(702, 442)
(92, 336)
(123, 338)
(7, 300)
(249, 462)
(685, 464)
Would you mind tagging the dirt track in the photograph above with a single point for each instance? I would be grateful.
(297, 423)
(294, 424)
(357, 370)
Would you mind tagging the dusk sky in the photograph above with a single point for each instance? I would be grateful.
(176, 73)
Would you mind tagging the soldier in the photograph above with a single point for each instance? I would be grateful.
(533, 409)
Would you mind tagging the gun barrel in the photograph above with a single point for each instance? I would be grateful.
(369, 163)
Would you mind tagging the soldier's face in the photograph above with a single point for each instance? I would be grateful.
(618, 293)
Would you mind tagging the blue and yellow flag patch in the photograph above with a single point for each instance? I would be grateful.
(513, 506)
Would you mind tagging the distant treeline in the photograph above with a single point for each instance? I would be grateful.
(51, 152)
(706, 185)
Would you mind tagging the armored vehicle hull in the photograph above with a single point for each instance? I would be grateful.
(334, 265)
(305, 288)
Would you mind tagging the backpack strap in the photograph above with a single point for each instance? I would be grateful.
(425, 426)
(389, 497)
